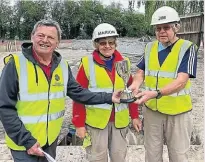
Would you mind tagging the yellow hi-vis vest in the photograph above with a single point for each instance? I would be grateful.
(157, 77)
(98, 115)
(40, 105)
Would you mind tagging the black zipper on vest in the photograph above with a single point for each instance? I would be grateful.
(157, 88)
(49, 86)
(49, 82)
(36, 73)
(113, 105)
(48, 111)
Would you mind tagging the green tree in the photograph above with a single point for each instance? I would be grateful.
(113, 15)
(81, 17)
(5, 19)
(28, 13)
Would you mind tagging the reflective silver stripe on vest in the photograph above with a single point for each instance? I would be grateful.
(121, 107)
(40, 96)
(183, 50)
(92, 72)
(159, 73)
(154, 73)
(23, 83)
(147, 54)
(108, 90)
(64, 67)
(180, 93)
(100, 106)
(42, 118)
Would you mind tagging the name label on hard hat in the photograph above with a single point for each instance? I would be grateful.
(162, 17)
(106, 32)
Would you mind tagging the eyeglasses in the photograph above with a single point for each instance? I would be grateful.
(165, 28)
(109, 42)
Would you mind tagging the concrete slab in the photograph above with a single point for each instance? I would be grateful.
(136, 153)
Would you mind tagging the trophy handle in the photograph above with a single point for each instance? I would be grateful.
(123, 70)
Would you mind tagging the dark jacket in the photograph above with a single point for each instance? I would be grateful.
(9, 87)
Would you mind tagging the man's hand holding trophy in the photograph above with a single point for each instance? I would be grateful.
(122, 68)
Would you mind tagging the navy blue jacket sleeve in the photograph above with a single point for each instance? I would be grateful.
(189, 62)
(141, 63)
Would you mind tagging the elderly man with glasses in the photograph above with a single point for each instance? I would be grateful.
(166, 69)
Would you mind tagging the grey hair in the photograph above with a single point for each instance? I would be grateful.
(49, 22)
(175, 26)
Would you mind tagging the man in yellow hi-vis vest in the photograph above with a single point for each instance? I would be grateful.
(165, 69)
(34, 85)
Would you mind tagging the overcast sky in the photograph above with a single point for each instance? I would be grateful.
(107, 2)
(124, 3)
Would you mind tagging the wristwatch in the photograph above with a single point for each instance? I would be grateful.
(159, 95)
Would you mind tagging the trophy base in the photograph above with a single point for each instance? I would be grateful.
(128, 100)
(127, 97)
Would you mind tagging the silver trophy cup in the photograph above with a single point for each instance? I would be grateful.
(123, 71)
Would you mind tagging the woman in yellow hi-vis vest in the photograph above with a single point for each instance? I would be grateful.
(34, 85)
(103, 127)
(165, 69)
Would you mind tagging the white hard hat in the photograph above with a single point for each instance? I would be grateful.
(104, 30)
(164, 15)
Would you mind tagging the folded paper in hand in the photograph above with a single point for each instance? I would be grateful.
(48, 157)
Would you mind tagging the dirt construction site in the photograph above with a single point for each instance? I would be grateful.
(73, 51)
